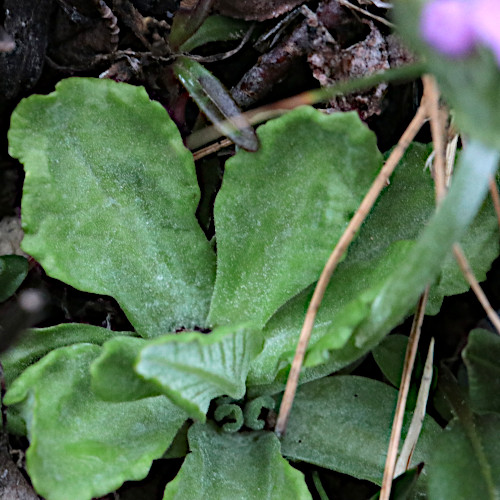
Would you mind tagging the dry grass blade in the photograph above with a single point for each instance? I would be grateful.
(209, 134)
(442, 180)
(437, 131)
(212, 148)
(496, 198)
(439, 173)
(366, 13)
(474, 284)
(378, 184)
(397, 424)
(410, 443)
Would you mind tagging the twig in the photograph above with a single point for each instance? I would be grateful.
(451, 153)
(474, 284)
(111, 23)
(410, 443)
(263, 113)
(495, 197)
(437, 136)
(441, 188)
(378, 184)
(438, 173)
(411, 351)
(223, 55)
(212, 148)
(382, 20)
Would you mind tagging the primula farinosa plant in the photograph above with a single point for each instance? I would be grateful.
(108, 207)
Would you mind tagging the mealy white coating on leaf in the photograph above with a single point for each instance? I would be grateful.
(80, 446)
(109, 201)
(193, 368)
(280, 211)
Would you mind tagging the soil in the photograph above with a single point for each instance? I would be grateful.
(297, 46)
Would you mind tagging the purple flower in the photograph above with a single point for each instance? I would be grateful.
(446, 26)
(486, 24)
(455, 27)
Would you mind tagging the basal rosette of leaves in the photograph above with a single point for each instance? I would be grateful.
(109, 207)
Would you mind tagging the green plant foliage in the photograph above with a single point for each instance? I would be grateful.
(423, 262)
(280, 210)
(229, 416)
(469, 83)
(253, 410)
(81, 447)
(343, 306)
(216, 29)
(389, 356)
(109, 207)
(465, 463)
(187, 21)
(193, 368)
(246, 466)
(113, 374)
(13, 270)
(372, 261)
(216, 102)
(482, 356)
(344, 423)
(109, 201)
(36, 343)
(403, 486)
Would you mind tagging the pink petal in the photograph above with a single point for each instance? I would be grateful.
(486, 24)
(446, 26)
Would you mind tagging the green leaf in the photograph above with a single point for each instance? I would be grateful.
(36, 343)
(81, 447)
(344, 305)
(243, 465)
(216, 102)
(253, 411)
(229, 416)
(423, 263)
(469, 84)
(482, 355)
(179, 447)
(481, 246)
(390, 355)
(403, 485)
(109, 201)
(465, 463)
(188, 18)
(113, 373)
(281, 210)
(13, 270)
(193, 368)
(374, 259)
(344, 423)
(216, 29)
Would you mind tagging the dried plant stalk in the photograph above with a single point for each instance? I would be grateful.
(378, 184)
(397, 424)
